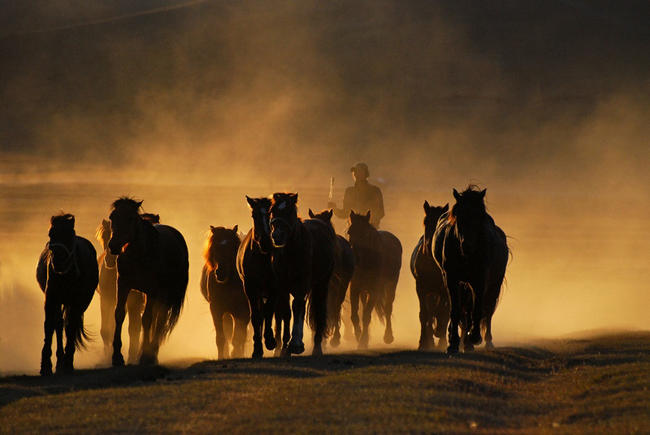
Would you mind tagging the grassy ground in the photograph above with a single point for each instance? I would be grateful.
(590, 386)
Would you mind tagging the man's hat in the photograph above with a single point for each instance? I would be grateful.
(360, 167)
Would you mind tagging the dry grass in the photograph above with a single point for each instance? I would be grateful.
(590, 386)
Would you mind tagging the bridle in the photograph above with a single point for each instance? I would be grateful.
(68, 262)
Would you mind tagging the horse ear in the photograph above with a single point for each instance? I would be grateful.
(446, 208)
(456, 195)
(426, 206)
(250, 201)
(368, 215)
(351, 214)
(311, 214)
(330, 213)
(105, 222)
(71, 219)
(140, 203)
(235, 228)
(483, 192)
(294, 197)
(211, 228)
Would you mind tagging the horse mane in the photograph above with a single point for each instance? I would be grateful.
(126, 201)
(473, 193)
(61, 217)
(100, 232)
(209, 246)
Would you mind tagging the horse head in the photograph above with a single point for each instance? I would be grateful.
(125, 223)
(284, 215)
(431, 216)
(325, 215)
(361, 235)
(62, 243)
(260, 208)
(467, 216)
(103, 235)
(220, 252)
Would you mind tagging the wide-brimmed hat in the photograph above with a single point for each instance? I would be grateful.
(360, 167)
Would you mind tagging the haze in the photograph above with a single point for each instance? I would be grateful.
(193, 105)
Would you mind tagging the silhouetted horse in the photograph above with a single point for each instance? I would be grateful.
(430, 287)
(343, 272)
(256, 272)
(378, 257)
(303, 260)
(154, 260)
(222, 287)
(108, 298)
(68, 275)
(471, 250)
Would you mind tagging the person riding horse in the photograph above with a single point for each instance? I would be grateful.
(361, 198)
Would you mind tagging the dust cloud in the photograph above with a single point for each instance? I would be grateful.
(194, 105)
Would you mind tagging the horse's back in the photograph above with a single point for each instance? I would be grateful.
(175, 251)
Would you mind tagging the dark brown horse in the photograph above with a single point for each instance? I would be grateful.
(341, 277)
(430, 287)
(68, 275)
(152, 259)
(471, 251)
(222, 287)
(256, 272)
(378, 257)
(303, 260)
(107, 290)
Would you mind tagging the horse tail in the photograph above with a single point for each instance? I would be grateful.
(317, 316)
(79, 334)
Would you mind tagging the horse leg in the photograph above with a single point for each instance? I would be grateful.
(120, 313)
(239, 336)
(52, 315)
(150, 356)
(257, 321)
(389, 299)
(367, 317)
(355, 296)
(217, 320)
(270, 337)
(441, 311)
(134, 303)
(72, 329)
(478, 286)
(147, 324)
(296, 345)
(453, 286)
(424, 316)
(282, 326)
(107, 330)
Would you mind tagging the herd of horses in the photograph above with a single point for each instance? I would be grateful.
(285, 268)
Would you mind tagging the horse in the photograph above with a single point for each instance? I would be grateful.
(107, 290)
(341, 277)
(430, 287)
(256, 272)
(472, 253)
(67, 273)
(303, 259)
(222, 287)
(153, 259)
(378, 258)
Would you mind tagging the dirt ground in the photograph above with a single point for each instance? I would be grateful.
(589, 385)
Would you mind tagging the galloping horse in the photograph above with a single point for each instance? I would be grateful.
(471, 251)
(343, 272)
(430, 287)
(303, 258)
(378, 256)
(108, 298)
(256, 272)
(154, 260)
(68, 275)
(222, 287)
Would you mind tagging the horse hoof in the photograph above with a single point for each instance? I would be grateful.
(388, 338)
(46, 371)
(469, 347)
(271, 344)
(452, 350)
(318, 351)
(335, 342)
(363, 345)
(285, 352)
(118, 360)
(489, 345)
(295, 349)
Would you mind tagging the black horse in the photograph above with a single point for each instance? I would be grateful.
(68, 275)
(222, 287)
(108, 299)
(430, 287)
(472, 253)
(256, 272)
(303, 257)
(341, 277)
(378, 257)
(152, 259)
